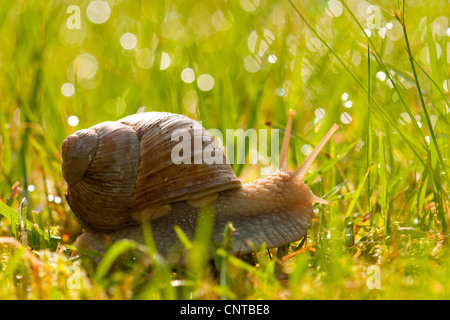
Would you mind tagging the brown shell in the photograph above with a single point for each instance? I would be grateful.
(127, 167)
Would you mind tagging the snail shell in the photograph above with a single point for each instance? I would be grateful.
(118, 172)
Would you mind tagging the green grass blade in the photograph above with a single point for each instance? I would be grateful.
(383, 185)
(348, 222)
(12, 215)
(114, 252)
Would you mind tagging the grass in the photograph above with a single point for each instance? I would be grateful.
(386, 172)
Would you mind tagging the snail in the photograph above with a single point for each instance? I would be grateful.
(120, 174)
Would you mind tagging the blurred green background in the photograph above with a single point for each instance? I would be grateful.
(67, 65)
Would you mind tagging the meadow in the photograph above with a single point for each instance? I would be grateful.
(378, 69)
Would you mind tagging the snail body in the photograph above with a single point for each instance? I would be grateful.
(120, 174)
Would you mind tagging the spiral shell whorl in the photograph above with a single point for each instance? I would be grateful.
(78, 150)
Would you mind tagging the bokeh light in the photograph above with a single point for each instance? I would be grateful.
(205, 82)
(165, 61)
(346, 118)
(187, 75)
(272, 58)
(249, 5)
(73, 121)
(220, 22)
(128, 41)
(85, 66)
(381, 75)
(320, 113)
(98, 11)
(67, 89)
(251, 64)
(144, 58)
(335, 8)
(190, 101)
